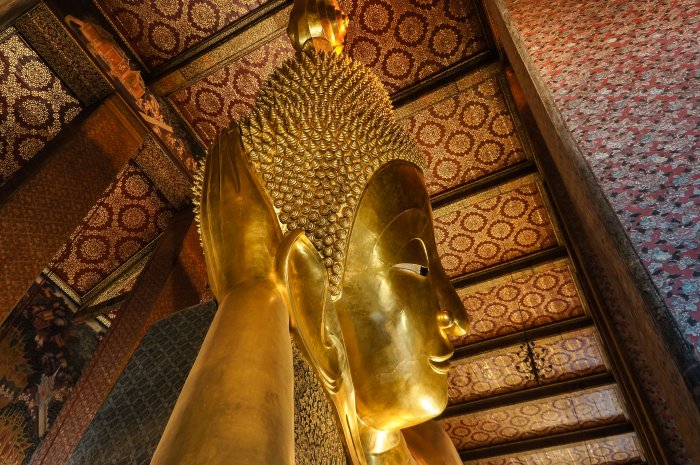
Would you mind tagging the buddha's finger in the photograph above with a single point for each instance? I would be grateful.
(210, 203)
(246, 182)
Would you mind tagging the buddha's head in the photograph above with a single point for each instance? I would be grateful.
(370, 303)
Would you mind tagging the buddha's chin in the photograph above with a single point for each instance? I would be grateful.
(409, 412)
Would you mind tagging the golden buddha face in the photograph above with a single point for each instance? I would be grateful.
(397, 306)
(369, 303)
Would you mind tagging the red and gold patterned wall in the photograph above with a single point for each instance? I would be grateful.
(466, 132)
(407, 41)
(627, 96)
(130, 214)
(157, 31)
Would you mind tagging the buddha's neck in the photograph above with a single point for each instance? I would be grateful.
(368, 446)
(383, 447)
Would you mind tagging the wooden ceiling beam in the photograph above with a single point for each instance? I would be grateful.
(498, 342)
(511, 266)
(538, 392)
(512, 172)
(554, 440)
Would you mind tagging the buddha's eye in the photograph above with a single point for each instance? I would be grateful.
(413, 267)
(412, 257)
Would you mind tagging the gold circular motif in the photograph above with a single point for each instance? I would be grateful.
(445, 41)
(133, 218)
(93, 249)
(99, 217)
(164, 37)
(526, 237)
(136, 186)
(29, 147)
(88, 279)
(33, 112)
(126, 249)
(446, 169)
(168, 8)
(35, 74)
(398, 64)
(203, 16)
(376, 17)
(430, 134)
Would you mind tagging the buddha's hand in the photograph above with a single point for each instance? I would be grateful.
(239, 229)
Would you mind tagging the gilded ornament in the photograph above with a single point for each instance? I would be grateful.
(318, 25)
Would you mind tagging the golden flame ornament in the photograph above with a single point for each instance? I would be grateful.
(318, 25)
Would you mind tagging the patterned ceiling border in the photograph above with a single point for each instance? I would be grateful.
(113, 283)
(164, 173)
(560, 413)
(216, 58)
(617, 449)
(274, 47)
(554, 282)
(461, 83)
(459, 68)
(448, 89)
(7, 32)
(45, 33)
(130, 214)
(35, 106)
(239, 25)
(502, 188)
(223, 53)
(531, 271)
(59, 283)
(536, 232)
(466, 90)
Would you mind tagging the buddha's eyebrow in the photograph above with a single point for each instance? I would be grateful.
(403, 228)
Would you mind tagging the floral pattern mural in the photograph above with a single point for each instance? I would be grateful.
(42, 353)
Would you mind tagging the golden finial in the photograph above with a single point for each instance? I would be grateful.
(317, 24)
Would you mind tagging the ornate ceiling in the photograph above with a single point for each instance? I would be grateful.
(466, 135)
(130, 215)
(34, 103)
(157, 31)
(531, 382)
(528, 298)
(494, 226)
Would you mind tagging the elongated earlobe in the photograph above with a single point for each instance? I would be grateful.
(313, 318)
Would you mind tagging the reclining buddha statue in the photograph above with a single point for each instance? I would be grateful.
(314, 217)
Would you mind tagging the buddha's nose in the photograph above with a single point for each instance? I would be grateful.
(452, 317)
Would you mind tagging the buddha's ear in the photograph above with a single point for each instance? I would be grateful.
(313, 317)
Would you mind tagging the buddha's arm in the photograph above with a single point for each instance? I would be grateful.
(237, 406)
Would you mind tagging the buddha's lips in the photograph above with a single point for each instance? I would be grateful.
(441, 365)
